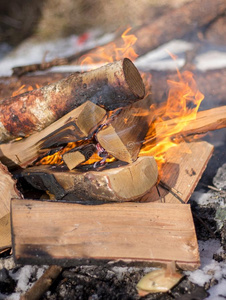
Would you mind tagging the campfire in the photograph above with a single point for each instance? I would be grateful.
(115, 166)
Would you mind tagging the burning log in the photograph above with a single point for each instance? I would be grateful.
(8, 190)
(113, 85)
(125, 183)
(76, 125)
(123, 136)
(78, 155)
(71, 234)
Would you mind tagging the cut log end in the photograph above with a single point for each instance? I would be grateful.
(133, 78)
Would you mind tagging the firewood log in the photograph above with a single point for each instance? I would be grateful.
(125, 183)
(113, 85)
(71, 234)
(122, 138)
(76, 125)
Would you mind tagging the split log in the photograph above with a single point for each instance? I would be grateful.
(113, 85)
(181, 173)
(76, 125)
(8, 191)
(42, 284)
(125, 183)
(207, 120)
(123, 136)
(78, 155)
(173, 25)
(69, 234)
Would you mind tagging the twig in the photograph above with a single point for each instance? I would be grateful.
(211, 187)
(205, 225)
(42, 284)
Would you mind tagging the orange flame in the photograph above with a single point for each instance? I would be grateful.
(112, 52)
(183, 102)
(24, 89)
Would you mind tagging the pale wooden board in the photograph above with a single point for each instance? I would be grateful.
(5, 234)
(63, 233)
(184, 167)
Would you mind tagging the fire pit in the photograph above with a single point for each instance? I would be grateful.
(114, 165)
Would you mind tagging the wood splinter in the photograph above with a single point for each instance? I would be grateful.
(78, 155)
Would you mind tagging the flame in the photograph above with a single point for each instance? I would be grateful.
(181, 107)
(24, 89)
(112, 52)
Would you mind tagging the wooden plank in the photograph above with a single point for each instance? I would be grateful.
(63, 233)
(182, 171)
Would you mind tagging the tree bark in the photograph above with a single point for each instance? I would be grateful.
(113, 85)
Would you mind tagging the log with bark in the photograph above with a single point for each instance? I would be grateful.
(123, 183)
(211, 83)
(72, 234)
(123, 136)
(113, 85)
(77, 125)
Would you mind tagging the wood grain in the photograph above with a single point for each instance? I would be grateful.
(69, 233)
(182, 171)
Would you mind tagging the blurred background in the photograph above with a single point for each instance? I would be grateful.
(51, 19)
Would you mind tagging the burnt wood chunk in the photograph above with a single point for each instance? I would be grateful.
(123, 137)
(125, 183)
(68, 234)
(113, 85)
(76, 125)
